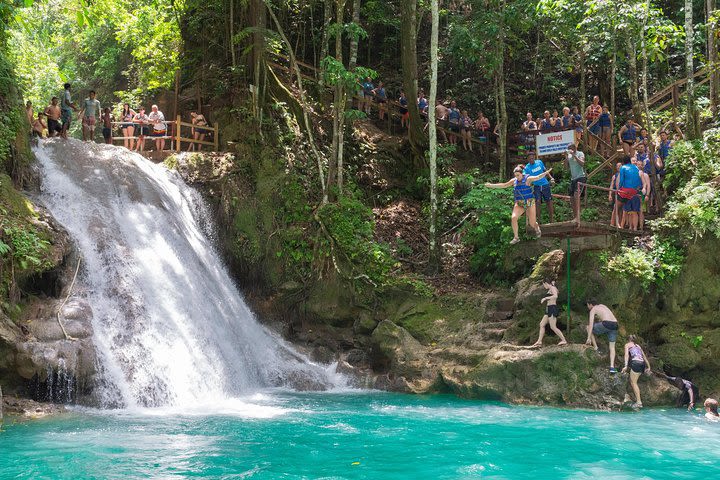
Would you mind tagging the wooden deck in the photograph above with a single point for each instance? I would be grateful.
(583, 229)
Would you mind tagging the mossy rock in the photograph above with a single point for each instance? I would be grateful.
(679, 354)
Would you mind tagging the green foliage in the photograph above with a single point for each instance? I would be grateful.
(351, 225)
(693, 169)
(490, 232)
(101, 45)
(695, 341)
(657, 262)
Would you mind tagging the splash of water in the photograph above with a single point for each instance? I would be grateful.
(170, 327)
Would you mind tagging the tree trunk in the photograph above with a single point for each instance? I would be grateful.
(306, 120)
(690, 126)
(583, 80)
(503, 153)
(632, 64)
(613, 73)
(352, 62)
(408, 59)
(644, 73)
(712, 58)
(336, 164)
(232, 32)
(434, 260)
(327, 18)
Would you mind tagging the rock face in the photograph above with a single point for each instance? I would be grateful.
(468, 343)
(36, 358)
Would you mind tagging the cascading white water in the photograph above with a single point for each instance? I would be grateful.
(170, 327)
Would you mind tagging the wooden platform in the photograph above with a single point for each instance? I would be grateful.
(583, 229)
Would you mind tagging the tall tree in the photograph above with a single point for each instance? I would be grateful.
(691, 116)
(327, 18)
(712, 54)
(500, 84)
(434, 247)
(354, 37)
(408, 59)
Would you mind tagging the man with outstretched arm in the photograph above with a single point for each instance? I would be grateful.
(607, 324)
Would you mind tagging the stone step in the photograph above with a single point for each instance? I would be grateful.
(498, 324)
(505, 304)
(500, 315)
(493, 333)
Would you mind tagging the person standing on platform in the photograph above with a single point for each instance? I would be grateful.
(541, 188)
(575, 161)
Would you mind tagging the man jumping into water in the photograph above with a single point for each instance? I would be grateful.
(607, 325)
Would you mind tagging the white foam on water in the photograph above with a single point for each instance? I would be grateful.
(170, 327)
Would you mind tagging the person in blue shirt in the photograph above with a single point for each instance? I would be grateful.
(524, 199)
(381, 98)
(454, 122)
(404, 112)
(368, 93)
(422, 104)
(541, 188)
(629, 186)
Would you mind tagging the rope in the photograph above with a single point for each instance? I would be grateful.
(77, 269)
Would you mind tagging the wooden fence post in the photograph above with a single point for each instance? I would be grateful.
(216, 137)
(177, 134)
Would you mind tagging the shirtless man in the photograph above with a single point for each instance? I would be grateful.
(551, 313)
(38, 126)
(441, 118)
(52, 112)
(607, 325)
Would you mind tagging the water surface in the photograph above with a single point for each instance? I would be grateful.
(280, 435)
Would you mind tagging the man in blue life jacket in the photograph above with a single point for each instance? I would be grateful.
(541, 187)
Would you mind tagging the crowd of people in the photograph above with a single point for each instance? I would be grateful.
(136, 126)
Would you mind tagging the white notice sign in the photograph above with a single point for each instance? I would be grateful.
(553, 143)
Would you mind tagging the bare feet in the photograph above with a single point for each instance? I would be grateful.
(536, 345)
(562, 343)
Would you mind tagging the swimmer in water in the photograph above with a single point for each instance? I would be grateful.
(711, 410)
(551, 313)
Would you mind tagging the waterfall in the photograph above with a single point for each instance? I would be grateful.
(170, 327)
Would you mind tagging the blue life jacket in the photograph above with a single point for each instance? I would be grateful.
(521, 190)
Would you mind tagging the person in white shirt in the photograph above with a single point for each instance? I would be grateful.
(157, 119)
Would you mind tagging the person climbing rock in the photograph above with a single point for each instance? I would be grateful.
(607, 325)
(711, 409)
(637, 363)
(690, 393)
(551, 313)
(524, 199)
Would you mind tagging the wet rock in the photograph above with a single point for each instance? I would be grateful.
(357, 357)
(394, 348)
(29, 409)
(364, 324)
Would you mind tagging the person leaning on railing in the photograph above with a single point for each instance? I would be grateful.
(198, 120)
(157, 119)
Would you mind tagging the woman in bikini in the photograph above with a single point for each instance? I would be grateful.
(198, 120)
(524, 199)
(636, 363)
(127, 127)
(551, 313)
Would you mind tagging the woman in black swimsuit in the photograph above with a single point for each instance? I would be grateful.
(127, 127)
(551, 313)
